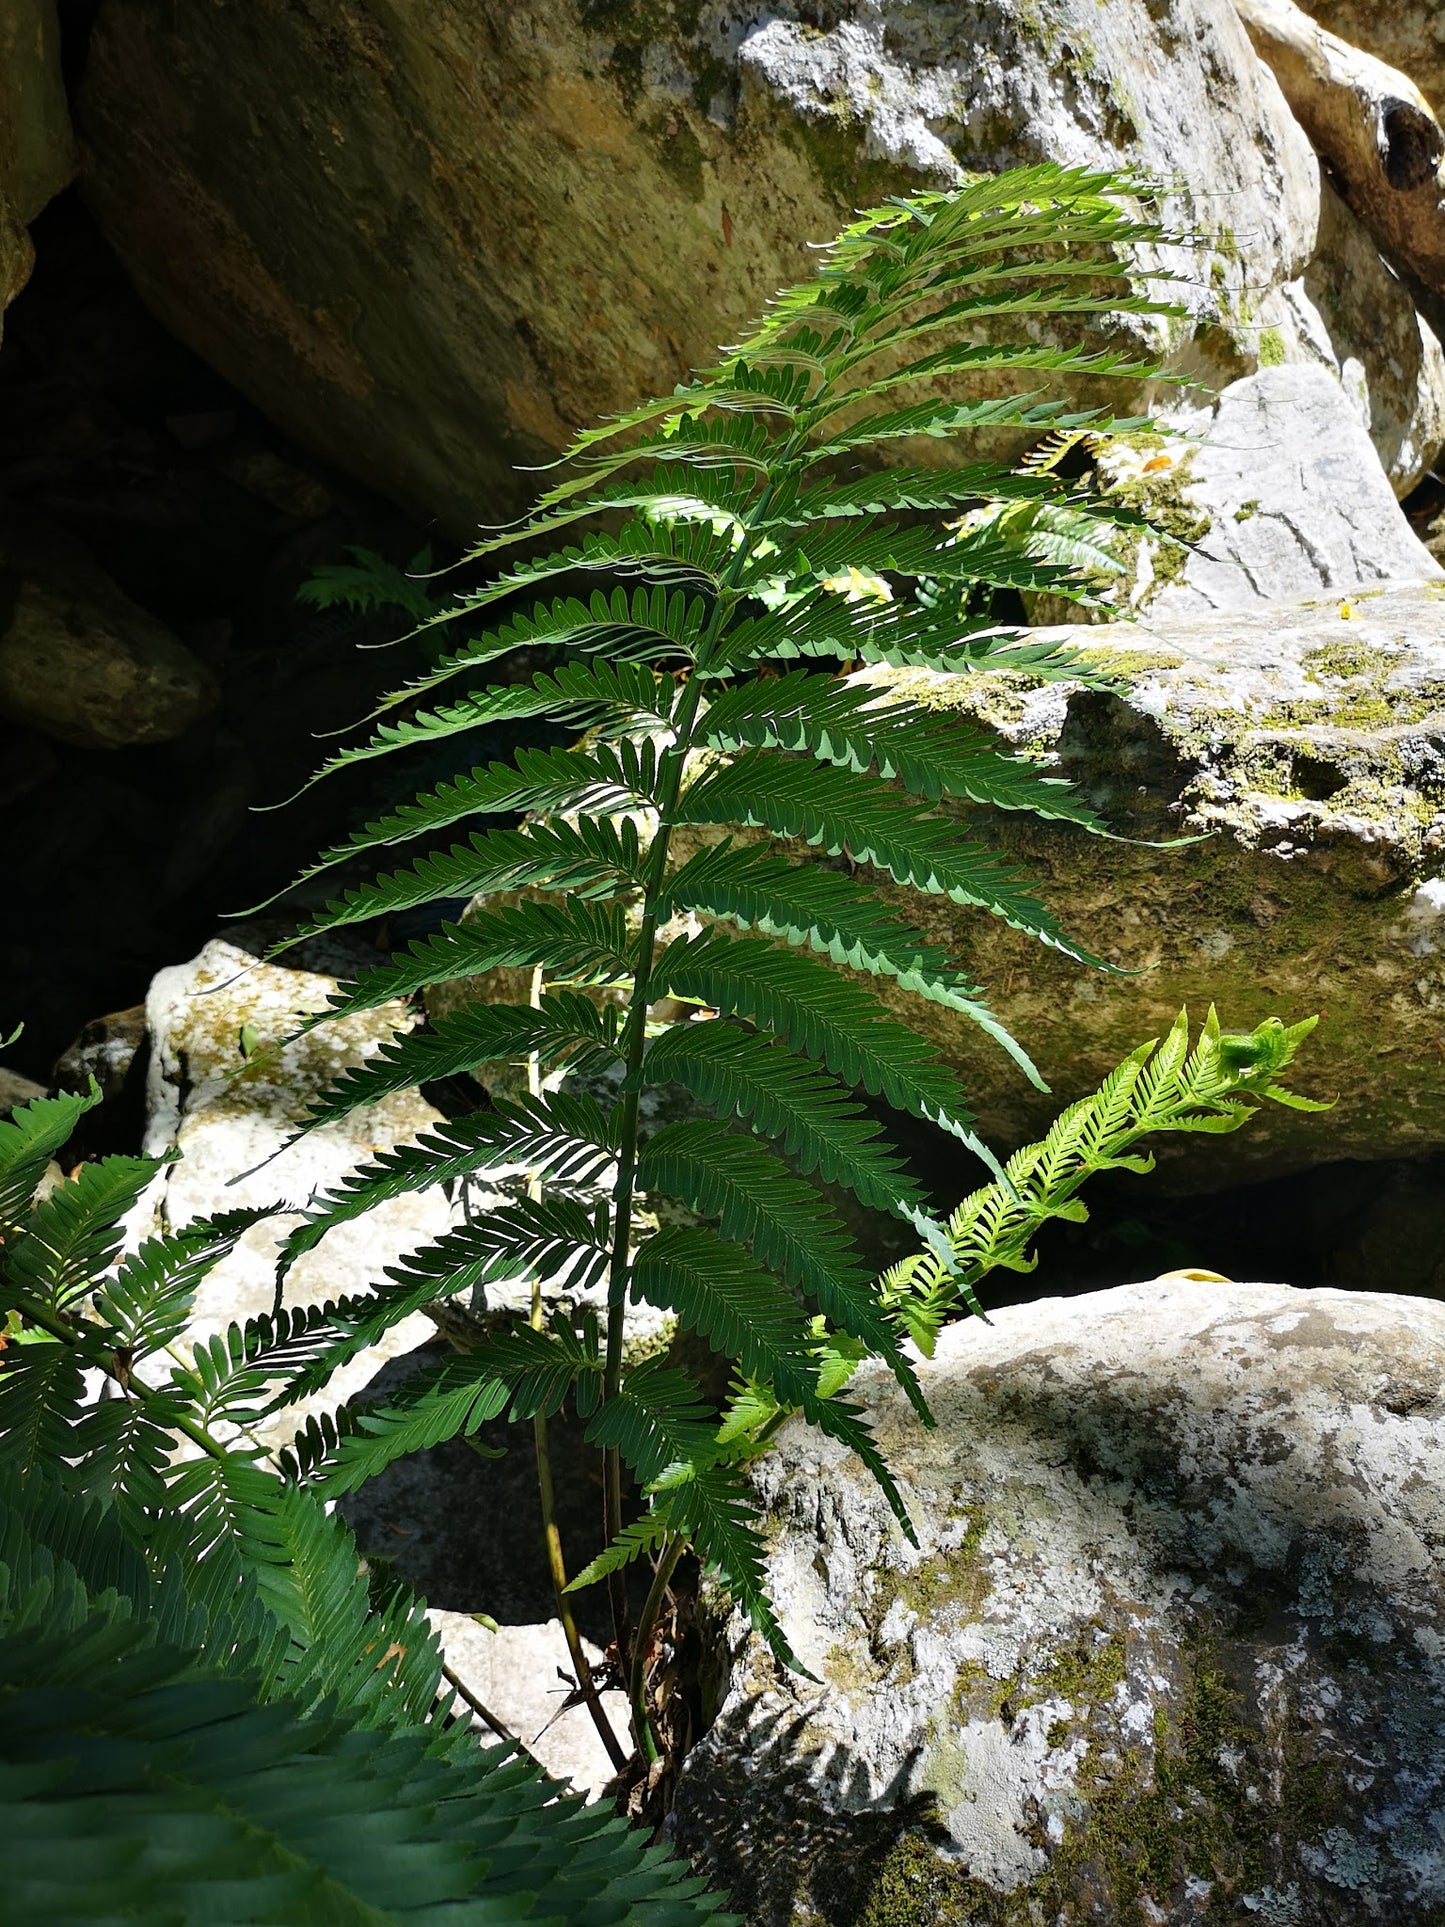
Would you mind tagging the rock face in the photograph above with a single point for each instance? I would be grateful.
(1170, 1648)
(1296, 500)
(1408, 34)
(80, 661)
(37, 151)
(1308, 742)
(304, 197)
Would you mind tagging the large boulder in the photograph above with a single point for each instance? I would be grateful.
(79, 660)
(1303, 746)
(1408, 34)
(431, 240)
(1170, 1647)
(37, 149)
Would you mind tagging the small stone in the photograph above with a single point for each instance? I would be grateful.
(16, 1090)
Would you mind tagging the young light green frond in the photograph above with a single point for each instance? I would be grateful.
(716, 1289)
(598, 857)
(786, 1100)
(848, 814)
(930, 753)
(75, 1232)
(29, 1138)
(1164, 1086)
(759, 1203)
(565, 1138)
(147, 1302)
(565, 1028)
(811, 1009)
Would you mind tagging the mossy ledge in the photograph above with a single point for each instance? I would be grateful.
(1303, 751)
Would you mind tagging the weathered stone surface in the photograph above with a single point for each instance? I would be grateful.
(1309, 740)
(1295, 496)
(513, 1671)
(79, 660)
(229, 1119)
(301, 193)
(1367, 331)
(16, 1090)
(1170, 1648)
(37, 148)
(1408, 34)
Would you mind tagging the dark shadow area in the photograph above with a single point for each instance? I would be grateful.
(465, 1530)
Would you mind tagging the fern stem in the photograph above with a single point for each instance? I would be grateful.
(74, 1336)
(641, 1717)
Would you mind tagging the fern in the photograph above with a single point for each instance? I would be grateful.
(699, 856)
(199, 1699)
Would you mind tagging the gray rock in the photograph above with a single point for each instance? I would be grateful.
(37, 148)
(514, 1672)
(1308, 741)
(16, 1090)
(305, 200)
(1369, 334)
(1171, 1647)
(81, 662)
(1296, 498)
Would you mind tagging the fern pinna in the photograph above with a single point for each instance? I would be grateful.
(739, 551)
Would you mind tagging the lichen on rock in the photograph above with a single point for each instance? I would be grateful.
(1170, 1649)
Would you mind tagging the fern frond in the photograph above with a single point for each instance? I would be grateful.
(740, 1074)
(523, 1372)
(713, 1505)
(75, 1231)
(1162, 1086)
(563, 1137)
(29, 1138)
(145, 1304)
(931, 755)
(564, 1028)
(555, 1239)
(41, 1389)
(503, 860)
(606, 777)
(846, 814)
(806, 1006)
(717, 1290)
(758, 1202)
(805, 904)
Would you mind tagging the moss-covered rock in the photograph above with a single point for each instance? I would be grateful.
(431, 240)
(1169, 1648)
(1303, 748)
(37, 150)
